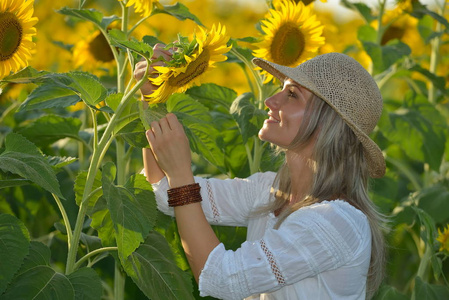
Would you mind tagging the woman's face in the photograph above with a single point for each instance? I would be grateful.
(286, 113)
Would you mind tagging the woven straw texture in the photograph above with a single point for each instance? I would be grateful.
(348, 88)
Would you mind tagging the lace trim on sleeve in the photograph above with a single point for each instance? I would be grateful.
(213, 205)
(273, 264)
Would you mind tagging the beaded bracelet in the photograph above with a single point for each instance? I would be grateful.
(184, 195)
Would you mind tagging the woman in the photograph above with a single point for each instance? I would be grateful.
(313, 232)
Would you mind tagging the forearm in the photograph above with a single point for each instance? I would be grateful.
(152, 170)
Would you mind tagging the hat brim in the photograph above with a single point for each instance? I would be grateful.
(374, 157)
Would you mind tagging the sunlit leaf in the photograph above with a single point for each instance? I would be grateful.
(23, 158)
(14, 241)
(179, 11)
(213, 96)
(86, 284)
(59, 162)
(362, 8)
(91, 15)
(40, 282)
(50, 96)
(25, 75)
(88, 86)
(154, 260)
(120, 39)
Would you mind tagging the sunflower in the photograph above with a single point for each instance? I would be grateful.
(93, 54)
(443, 238)
(292, 34)
(142, 7)
(306, 2)
(16, 32)
(210, 48)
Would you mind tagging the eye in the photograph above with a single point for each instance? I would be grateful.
(291, 92)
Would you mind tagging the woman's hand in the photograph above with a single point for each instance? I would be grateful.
(171, 149)
(158, 51)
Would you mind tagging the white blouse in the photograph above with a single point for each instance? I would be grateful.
(321, 251)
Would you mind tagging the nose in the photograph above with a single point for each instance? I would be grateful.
(274, 101)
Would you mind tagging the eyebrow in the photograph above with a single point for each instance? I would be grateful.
(290, 83)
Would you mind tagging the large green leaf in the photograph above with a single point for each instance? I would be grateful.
(40, 282)
(204, 138)
(87, 284)
(91, 15)
(50, 96)
(25, 75)
(213, 96)
(363, 9)
(50, 128)
(248, 117)
(23, 158)
(14, 246)
(102, 222)
(424, 290)
(152, 268)
(88, 87)
(132, 211)
(39, 255)
(134, 134)
(179, 11)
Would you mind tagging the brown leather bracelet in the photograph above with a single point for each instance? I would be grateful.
(184, 195)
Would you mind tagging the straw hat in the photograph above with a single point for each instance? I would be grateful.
(348, 88)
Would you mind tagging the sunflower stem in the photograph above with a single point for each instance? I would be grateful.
(97, 157)
(137, 24)
(68, 228)
(92, 253)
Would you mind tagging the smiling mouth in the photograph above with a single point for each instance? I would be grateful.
(272, 119)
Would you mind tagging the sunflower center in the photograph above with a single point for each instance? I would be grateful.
(99, 48)
(10, 35)
(287, 45)
(194, 69)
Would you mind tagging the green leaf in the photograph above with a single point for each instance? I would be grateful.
(50, 128)
(96, 193)
(14, 241)
(113, 100)
(248, 117)
(39, 255)
(367, 33)
(385, 56)
(154, 259)
(25, 75)
(50, 96)
(23, 158)
(58, 162)
(91, 15)
(424, 290)
(102, 222)
(129, 210)
(387, 292)
(134, 134)
(417, 131)
(179, 11)
(363, 9)
(420, 10)
(213, 96)
(88, 86)
(195, 117)
(87, 284)
(433, 200)
(4, 183)
(120, 39)
(41, 282)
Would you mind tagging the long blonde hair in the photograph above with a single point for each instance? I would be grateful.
(341, 172)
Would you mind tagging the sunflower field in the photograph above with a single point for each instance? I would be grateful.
(78, 220)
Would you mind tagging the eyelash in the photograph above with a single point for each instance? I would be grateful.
(291, 94)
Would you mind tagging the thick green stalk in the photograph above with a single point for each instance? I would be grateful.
(97, 155)
(92, 253)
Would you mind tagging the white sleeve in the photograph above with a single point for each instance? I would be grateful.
(225, 202)
(310, 241)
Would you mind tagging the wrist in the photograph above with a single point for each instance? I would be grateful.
(178, 181)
